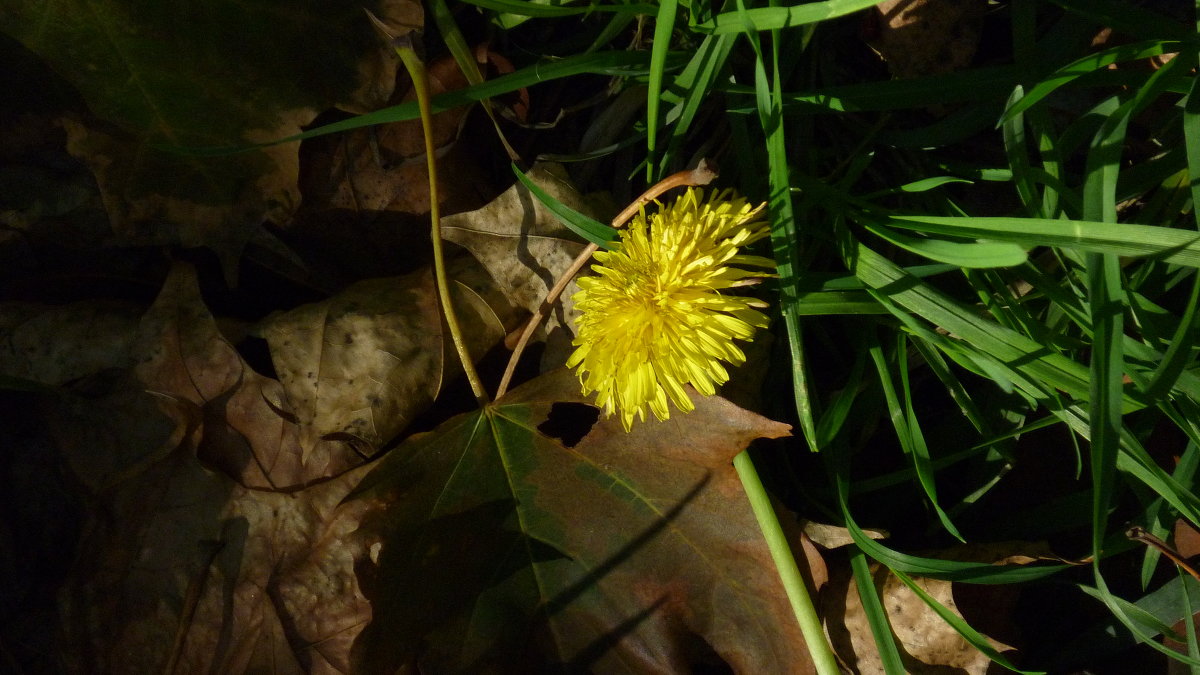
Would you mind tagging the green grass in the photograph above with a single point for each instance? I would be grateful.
(969, 263)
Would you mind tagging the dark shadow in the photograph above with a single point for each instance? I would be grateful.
(434, 572)
(234, 534)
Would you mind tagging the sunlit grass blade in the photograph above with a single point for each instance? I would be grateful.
(1179, 354)
(825, 303)
(957, 87)
(1087, 65)
(541, 10)
(1191, 137)
(917, 186)
(1144, 625)
(954, 386)
(1107, 368)
(592, 230)
(951, 570)
(457, 44)
(877, 619)
(770, 18)
(836, 412)
(696, 80)
(1166, 605)
(1012, 130)
(1189, 628)
(1181, 247)
(605, 63)
(988, 337)
(1135, 461)
(784, 239)
(664, 24)
(977, 254)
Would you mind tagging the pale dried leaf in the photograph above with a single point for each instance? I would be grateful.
(367, 361)
(927, 643)
(248, 432)
(834, 536)
(522, 244)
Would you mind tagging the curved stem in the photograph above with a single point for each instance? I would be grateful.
(416, 70)
(703, 174)
(785, 564)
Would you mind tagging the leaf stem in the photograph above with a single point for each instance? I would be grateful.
(703, 174)
(416, 70)
(785, 564)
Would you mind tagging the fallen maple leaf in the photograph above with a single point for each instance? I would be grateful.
(55, 345)
(522, 244)
(926, 37)
(222, 74)
(927, 643)
(363, 363)
(503, 550)
(211, 547)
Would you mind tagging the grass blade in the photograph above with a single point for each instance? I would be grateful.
(771, 18)
(592, 230)
(877, 619)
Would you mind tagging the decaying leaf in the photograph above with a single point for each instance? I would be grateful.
(522, 244)
(834, 536)
(203, 75)
(212, 548)
(188, 568)
(365, 362)
(926, 37)
(504, 550)
(928, 645)
(55, 345)
(246, 425)
(383, 168)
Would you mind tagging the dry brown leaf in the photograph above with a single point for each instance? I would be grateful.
(246, 568)
(248, 430)
(927, 643)
(365, 362)
(159, 83)
(1186, 538)
(188, 566)
(927, 37)
(524, 246)
(383, 168)
(505, 551)
(55, 345)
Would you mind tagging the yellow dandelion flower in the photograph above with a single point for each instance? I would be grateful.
(654, 317)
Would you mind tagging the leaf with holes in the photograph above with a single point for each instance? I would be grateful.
(504, 549)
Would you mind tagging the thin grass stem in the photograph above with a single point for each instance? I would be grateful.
(416, 70)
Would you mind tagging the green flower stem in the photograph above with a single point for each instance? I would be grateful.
(785, 563)
(416, 70)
